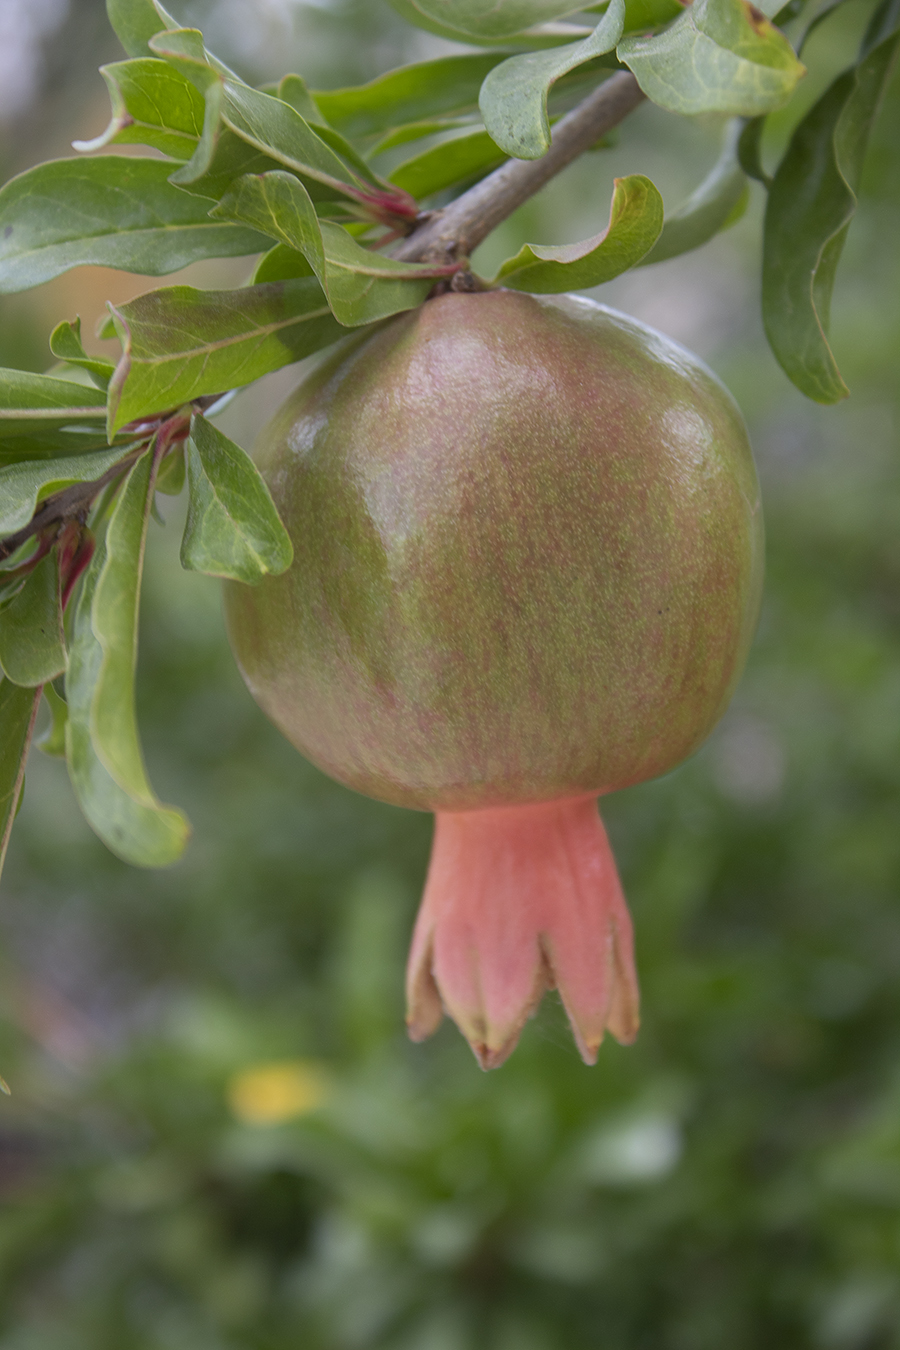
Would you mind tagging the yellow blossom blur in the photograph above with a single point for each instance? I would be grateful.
(269, 1094)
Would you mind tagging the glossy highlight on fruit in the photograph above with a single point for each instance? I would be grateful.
(527, 565)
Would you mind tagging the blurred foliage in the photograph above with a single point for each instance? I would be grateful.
(219, 1138)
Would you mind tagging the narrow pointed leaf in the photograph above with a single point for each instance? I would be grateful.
(108, 210)
(361, 286)
(513, 98)
(233, 529)
(453, 161)
(717, 202)
(719, 56)
(277, 130)
(32, 642)
(23, 486)
(52, 741)
(105, 759)
(415, 93)
(66, 345)
(180, 343)
(812, 200)
(293, 91)
(18, 711)
(114, 619)
(152, 104)
(635, 221)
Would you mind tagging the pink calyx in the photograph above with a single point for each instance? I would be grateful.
(520, 899)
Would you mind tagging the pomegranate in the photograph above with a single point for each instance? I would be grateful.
(528, 557)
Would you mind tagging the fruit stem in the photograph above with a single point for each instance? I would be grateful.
(520, 899)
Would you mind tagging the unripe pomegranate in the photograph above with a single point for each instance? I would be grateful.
(528, 554)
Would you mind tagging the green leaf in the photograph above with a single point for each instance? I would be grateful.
(184, 51)
(416, 93)
(749, 150)
(635, 220)
(171, 476)
(812, 200)
(109, 210)
(18, 710)
(276, 130)
(52, 741)
(44, 416)
(23, 486)
(514, 95)
(498, 19)
(180, 343)
(294, 90)
(417, 131)
(452, 161)
(28, 402)
(201, 160)
(341, 146)
(719, 56)
(105, 760)
(281, 264)
(152, 104)
(795, 8)
(231, 159)
(361, 286)
(539, 36)
(233, 529)
(717, 203)
(186, 46)
(135, 22)
(642, 15)
(32, 642)
(66, 345)
(36, 446)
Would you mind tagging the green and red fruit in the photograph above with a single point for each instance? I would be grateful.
(527, 566)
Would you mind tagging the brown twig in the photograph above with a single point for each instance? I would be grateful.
(457, 230)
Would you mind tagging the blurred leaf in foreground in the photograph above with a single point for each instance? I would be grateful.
(812, 200)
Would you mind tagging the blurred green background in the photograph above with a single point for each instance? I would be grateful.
(219, 1137)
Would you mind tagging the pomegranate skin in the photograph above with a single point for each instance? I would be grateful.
(528, 556)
